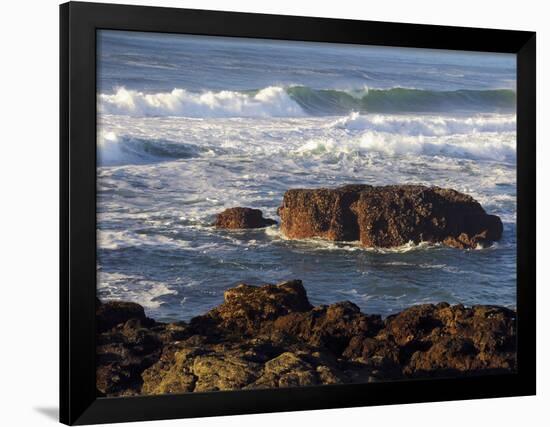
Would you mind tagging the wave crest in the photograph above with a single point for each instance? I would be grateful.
(426, 125)
(489, 146)
(114, 150)
(401, 100)
(268, 102)
(298, 101)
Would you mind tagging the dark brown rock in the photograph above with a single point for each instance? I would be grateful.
(395, 215)
(446, 355)
(322, 212)
(296, 370)
(378, 356)
(171, 373)
(247, 308)
(413, 325)
(113, 313)
(238, 218)
(388, 216)
(329, 327)
(445, 340)
(270, 336)
(123, 353)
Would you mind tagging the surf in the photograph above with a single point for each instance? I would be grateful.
(298, 101)
(401, 100)
(114, 150)
(427, 125)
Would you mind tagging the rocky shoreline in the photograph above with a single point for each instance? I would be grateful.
(271, 336)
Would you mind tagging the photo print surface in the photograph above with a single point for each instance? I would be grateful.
(280, 213)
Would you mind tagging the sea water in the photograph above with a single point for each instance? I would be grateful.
(191, 125)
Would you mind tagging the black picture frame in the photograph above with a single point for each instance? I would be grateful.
(79, 403)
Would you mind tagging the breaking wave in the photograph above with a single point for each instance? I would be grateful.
(268, 102)
(400, 100)
(276, 101)
(486, 147)
(415, 125)
(114, 150)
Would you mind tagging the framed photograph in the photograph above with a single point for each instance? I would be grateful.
(268, 213)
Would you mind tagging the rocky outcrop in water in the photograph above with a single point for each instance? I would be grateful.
(271, 336)
(388, 216)
(239, 218)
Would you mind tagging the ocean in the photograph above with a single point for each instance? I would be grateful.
(190, 125)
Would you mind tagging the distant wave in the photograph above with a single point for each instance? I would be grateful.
(275, 101)
(268, 102)
(114, 150)
(400, 100)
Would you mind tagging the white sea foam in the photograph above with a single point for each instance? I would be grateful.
(118, 286)
(354, 293)
(157, 139)
(112, 239)
(109, 150)
(353, 246)
(269, 102)
(486, 146)
(427, 125)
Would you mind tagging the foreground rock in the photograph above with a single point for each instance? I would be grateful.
(271, 336)
(238, 218)
(388, 216)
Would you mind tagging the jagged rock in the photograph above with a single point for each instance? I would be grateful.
(388, 216)
(330, 327)
(378, 356)
(114, 313)
(123, 353)
(223, 372)
(237, 218)
(446, 355)
(444, 340)
(394, 215)
(322, 212)
(413, 325)
(287, 370)
(271, 336)
(246, 307)
(171, 373)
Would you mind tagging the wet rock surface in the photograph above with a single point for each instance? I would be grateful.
(271, 336)
(388, 216)
(240, 218)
